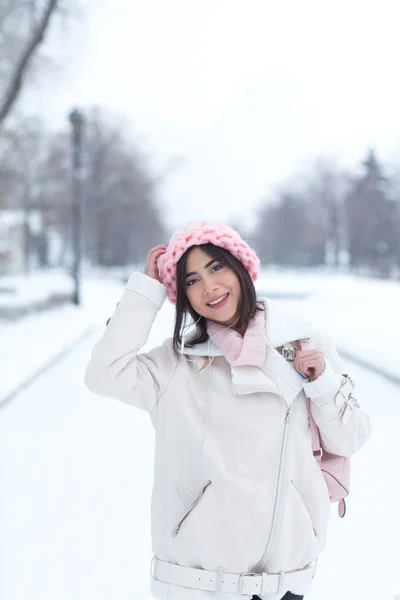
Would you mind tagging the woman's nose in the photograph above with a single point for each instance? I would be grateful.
(210, 287)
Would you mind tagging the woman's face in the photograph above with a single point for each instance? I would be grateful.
(212, 288)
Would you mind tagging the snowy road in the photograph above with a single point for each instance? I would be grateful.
(75, 485)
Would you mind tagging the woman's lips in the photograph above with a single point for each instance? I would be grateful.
(220, 304)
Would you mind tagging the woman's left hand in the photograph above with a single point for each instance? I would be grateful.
(310, 363)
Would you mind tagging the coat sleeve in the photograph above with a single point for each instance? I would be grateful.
(344, 426)
(116, 368)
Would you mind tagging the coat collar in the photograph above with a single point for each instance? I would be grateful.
(278, 376)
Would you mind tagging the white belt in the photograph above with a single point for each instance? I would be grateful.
(242, 584)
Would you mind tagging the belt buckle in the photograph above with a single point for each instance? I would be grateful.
(242, 583)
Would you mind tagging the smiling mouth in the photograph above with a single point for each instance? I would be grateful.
(216, 302)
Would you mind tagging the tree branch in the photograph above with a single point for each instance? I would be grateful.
(22, 65)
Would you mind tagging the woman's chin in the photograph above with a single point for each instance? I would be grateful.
(226, 318)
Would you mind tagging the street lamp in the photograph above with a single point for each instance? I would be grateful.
(76, 120)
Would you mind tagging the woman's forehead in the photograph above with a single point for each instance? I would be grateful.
(197, 259)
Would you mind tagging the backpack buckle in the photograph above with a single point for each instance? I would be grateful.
(288, 353)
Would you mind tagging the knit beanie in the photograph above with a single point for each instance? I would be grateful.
(196, 233)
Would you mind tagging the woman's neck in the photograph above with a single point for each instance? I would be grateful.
(240, 330)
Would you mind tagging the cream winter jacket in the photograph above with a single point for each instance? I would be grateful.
(235, 482)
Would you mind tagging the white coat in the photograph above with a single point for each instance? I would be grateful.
(236, 485)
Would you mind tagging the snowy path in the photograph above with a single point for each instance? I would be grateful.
(75, 485)
(76, 475)
(362, 559)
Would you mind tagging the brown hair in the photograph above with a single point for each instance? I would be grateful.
(247, 304)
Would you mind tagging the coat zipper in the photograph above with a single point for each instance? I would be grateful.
(191, 508)
(277, 492)
(305, 506)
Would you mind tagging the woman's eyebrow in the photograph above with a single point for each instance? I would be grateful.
(205, 267)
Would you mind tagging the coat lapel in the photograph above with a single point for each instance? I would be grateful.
(283, 327)
(287, 380)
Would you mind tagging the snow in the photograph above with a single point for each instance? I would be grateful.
(76, 469)
(10, 218)
(361, 560)
(361, 314)
(26, 290)
(30, 342)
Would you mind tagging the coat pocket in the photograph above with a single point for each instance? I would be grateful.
(305, 506)
(191, 508)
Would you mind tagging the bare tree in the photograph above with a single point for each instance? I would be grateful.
(326, 188)
(23, 25)
(335, 218)
(121, 216)
(281, 234)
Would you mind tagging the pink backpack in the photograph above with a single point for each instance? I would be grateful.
(334, 468)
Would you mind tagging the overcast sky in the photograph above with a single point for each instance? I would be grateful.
(248, 92)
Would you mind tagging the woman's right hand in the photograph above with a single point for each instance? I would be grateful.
(151, 268)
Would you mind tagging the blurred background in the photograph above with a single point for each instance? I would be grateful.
(119, 122)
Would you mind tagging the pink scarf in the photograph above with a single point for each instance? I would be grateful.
(239, 351)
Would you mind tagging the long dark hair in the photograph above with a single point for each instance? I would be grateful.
(247, 304)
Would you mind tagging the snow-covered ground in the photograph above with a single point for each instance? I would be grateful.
(76, 469)
(27, 344)
(21, 291)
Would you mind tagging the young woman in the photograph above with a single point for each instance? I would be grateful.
(240, 507)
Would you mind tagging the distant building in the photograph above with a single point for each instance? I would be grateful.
(22, 240)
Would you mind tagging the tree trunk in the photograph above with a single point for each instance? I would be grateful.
(21, 68)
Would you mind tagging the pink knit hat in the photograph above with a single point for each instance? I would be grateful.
(196, 233)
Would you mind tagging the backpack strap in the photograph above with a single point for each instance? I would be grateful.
(288, 351)
(316, 441)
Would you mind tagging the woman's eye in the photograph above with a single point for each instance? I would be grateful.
(216, 268)
(190, 282)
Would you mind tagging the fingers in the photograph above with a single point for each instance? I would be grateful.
(304, 362)
(151, 268)
(156, 251)
(300, 368)
(158, 247)
(310, 363)
(108, 320)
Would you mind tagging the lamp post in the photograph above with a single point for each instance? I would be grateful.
(76, 120)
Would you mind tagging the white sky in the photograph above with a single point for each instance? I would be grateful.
(249, 92)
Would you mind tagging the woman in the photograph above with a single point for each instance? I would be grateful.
(240, 507)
